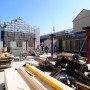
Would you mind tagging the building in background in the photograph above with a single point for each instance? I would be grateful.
(18, 31)
(45, 40)
(36, 31)
(72, 40)
(80, 21)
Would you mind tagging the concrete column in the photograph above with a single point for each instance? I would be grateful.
(34, 39)
(26, 45)
(52, 45)
(87, 43)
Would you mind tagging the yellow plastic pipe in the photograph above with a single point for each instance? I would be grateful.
(50, 80)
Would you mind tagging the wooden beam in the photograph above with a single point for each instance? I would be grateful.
(83, 87)
(32, 81)
(14, 81)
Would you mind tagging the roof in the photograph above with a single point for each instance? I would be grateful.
(17, 19)
(82, 14)
(59, 33)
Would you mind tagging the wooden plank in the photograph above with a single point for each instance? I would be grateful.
(5, 66)
(71, 55)
(36, 84)
(38, 60)
(3, 58)
(6, 58)
(83, 87)
(1, 70)
(13, 81)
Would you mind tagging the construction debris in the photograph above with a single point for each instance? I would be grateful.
(33, 52)
(83, 86)
(39, 80)
(45, 66)
(69, 55)
(82, 77)
(41, 52)
(70, 82)
(71, 65)
(75, 68)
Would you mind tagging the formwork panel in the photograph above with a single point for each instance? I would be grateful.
(77, 45)
(71, 45)
(67, 45)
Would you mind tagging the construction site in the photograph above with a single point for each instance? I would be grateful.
(55, 61)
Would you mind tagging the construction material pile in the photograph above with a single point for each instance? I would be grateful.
(71, 65)
(33, 52)
(41, 52)
(69, 56)
(5, 60)
(31, 78)
(75, 68)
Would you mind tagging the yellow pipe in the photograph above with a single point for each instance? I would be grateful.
(51, 81)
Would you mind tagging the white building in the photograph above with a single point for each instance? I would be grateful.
(18, 25)
(81, 20)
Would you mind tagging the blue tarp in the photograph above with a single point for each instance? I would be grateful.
(78, 34)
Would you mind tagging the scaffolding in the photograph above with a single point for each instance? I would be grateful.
(18, 37)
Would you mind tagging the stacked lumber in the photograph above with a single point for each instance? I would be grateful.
(69, 55)
(5, 60)
(31, 79)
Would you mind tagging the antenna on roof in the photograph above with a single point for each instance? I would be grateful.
(53, 29)
(19, 18)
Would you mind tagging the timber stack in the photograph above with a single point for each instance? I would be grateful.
(5, 60)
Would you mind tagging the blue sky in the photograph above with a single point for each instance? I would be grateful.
(43, 13)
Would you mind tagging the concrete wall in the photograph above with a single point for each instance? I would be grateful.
(79, 24)
(37, 35)
(48, 43)
(24, 45)
(81, 20)
(13, 44)
(1, 44)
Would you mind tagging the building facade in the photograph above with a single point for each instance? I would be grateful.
(58, 39)
(81, 20)
(19, 31)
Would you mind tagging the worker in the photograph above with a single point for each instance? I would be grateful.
(46, 49)
(55, 49)
(42, 48)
